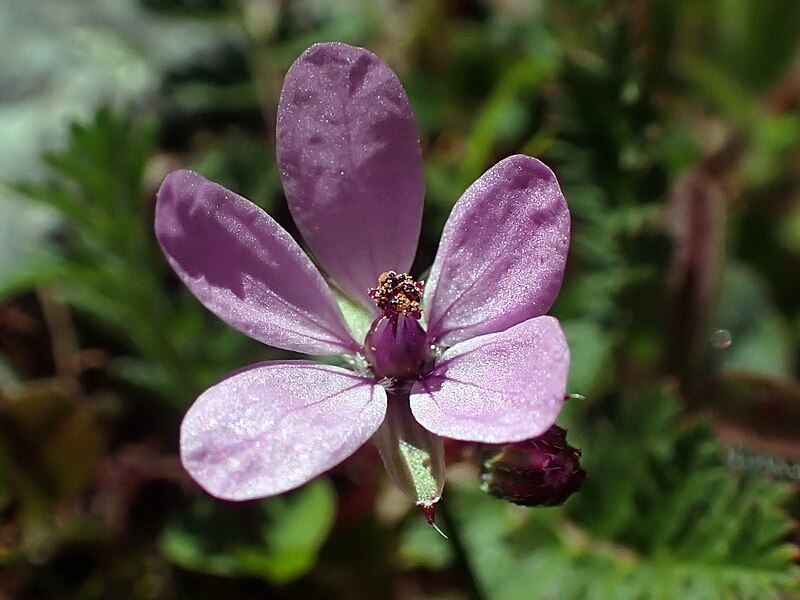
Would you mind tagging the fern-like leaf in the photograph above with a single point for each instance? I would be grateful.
(658, 518)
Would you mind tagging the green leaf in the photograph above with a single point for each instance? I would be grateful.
(300, 524)
(276, 539)
(421, 546)
(760, 337)
(756, 39)
(590, 351)
(506, 114)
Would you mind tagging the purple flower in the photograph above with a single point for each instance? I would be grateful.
(470, 356)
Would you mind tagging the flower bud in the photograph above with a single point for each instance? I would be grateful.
(542, 471)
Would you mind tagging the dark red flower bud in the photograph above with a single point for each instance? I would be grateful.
(542, 471)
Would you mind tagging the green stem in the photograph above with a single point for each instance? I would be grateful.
(471, 584)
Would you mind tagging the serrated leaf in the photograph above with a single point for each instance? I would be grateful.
(685, 528)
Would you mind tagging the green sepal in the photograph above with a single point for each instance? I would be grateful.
(413, 456)
(357, 317)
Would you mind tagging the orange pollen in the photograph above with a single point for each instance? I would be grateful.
(398, 293)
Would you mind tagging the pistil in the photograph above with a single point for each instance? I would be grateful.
(396, 345)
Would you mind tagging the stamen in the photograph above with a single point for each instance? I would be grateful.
(398, 293)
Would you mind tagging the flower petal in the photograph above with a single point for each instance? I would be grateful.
(351, 164)
(246, 268)
(501, 387)
(274, 426)
(502, 255)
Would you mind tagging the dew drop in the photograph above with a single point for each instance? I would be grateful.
(721, 339)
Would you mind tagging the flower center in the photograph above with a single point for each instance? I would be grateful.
(396, 346)
(398, 293)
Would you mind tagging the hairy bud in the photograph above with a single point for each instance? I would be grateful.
(542, 471)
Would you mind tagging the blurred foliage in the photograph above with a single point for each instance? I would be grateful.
(59, 62)
(111, 269)
(286, 534)
(674, 129)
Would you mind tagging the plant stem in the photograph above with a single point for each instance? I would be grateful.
(461, 557)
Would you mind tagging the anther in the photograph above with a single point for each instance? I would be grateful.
(398, 293)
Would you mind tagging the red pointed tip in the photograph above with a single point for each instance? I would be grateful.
(429, 510)
(430, 513)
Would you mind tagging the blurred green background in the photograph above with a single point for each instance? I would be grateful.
(674, 129)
